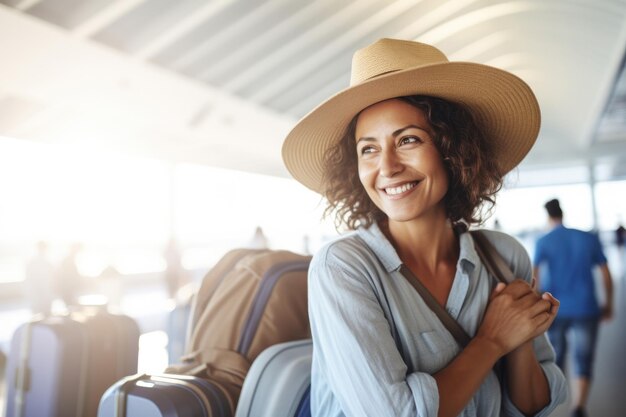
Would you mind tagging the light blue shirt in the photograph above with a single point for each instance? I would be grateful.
(376, 343)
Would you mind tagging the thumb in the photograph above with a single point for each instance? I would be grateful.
(498, 289)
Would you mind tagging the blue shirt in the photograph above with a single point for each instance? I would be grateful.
(376, 343)
(570, 256)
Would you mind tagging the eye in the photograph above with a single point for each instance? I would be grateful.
(367, 149)
(405, 140)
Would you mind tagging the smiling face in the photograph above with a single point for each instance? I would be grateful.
(399, 165)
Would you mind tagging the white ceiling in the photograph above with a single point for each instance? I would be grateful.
(220, 82)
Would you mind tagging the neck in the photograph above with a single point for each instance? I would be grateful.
(554, 222)
(425, 242)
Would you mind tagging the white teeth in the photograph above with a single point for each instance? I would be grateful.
(400, 189)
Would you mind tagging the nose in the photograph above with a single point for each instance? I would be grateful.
(390, 164)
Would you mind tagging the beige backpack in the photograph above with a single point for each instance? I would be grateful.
(250, 300)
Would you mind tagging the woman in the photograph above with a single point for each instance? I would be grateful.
(412, 149)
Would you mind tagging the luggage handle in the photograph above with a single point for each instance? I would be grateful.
(188, 385)
(22, 378)
(22, 373)
(122, 394)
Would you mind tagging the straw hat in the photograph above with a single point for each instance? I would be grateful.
(503, 105)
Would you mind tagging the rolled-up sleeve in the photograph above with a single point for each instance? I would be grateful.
(359, 364)
(522, 267)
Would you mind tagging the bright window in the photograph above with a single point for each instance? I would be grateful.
(123, 209)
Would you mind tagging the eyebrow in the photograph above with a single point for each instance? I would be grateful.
(394, 134)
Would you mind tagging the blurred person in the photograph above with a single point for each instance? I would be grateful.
(110, 285)
(69, 281)
(39, 279)
(306, 244)
(569, 257)
(259, 240)
(175, 273)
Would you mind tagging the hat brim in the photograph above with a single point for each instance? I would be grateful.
(503, 106)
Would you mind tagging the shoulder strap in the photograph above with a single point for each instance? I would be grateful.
(446, 319)
(493, 261)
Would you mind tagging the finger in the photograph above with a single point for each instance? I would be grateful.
(518, 288)
(534, 327)
(526, 304)
(551, 298)
(500, 286)
(553, 301)
(540, 307)
(542, 322)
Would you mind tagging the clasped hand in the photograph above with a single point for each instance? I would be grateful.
(516, 314)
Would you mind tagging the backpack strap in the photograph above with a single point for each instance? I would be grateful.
(446, 319)
(493, 261)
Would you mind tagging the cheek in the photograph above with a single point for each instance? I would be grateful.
(367, 178)
(364, 173)
(434, 168)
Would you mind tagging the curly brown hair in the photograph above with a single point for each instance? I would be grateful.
(474, 175)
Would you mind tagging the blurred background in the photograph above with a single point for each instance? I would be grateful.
(140, 139)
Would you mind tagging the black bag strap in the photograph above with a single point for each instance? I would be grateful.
(494, 263)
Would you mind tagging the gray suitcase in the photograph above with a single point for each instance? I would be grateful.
(59, 366)
(46, 369)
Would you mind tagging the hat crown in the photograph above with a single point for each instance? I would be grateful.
(390, 55)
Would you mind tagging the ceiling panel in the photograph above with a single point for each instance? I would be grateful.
(184, 51)
(286, 56)
(220, 45)
(147, 20)
(66, 13)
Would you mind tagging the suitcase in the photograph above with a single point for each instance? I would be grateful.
(163, 396)
(113, 350)
(278, 382)
(46, 369)
(60, 366)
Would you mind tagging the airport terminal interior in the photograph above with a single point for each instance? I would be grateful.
(140, 141)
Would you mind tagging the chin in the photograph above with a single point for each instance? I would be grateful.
(401, 217)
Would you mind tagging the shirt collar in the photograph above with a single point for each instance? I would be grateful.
(376, 240)
(382, 248)
(468, 257)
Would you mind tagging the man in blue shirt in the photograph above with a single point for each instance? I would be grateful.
(570, 256)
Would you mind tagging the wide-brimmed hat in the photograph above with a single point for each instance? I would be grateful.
(503, 106)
